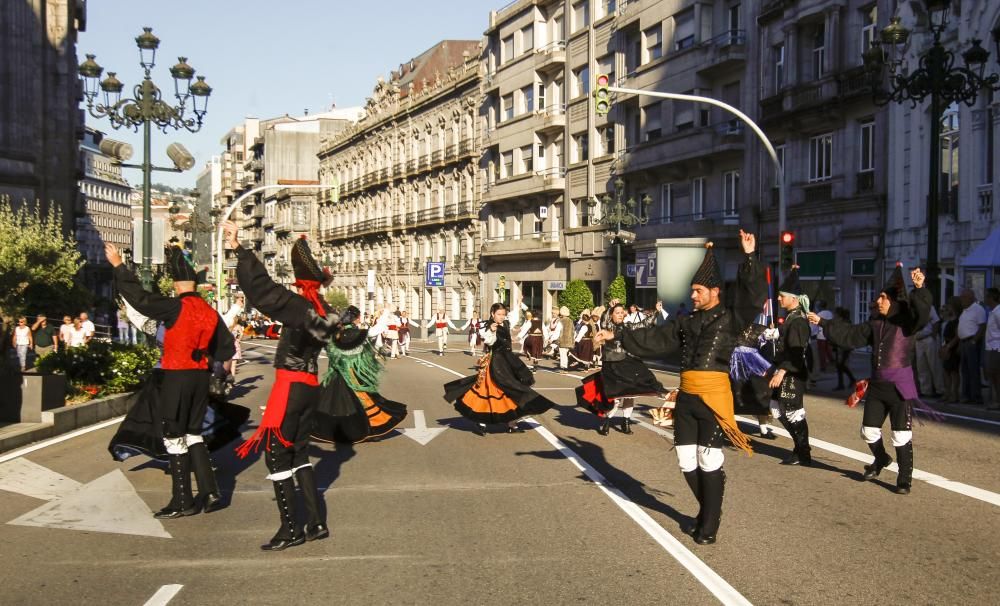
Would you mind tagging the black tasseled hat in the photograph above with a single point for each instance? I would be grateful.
(791, 284)
(179, 266)
(708, 275)
(304, 266)
(895, 287)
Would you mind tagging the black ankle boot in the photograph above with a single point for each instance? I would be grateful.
(182, 502)
(316, 527)
(904, 456)
(627, 425)
(882, 459)
(289, 535)
(204, 475)
(802, 452)
(713, 485)
(605, 426)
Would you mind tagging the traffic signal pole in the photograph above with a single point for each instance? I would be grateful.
(782, 218)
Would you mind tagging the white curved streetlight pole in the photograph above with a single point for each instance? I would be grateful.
(219, 254)
(756, 129)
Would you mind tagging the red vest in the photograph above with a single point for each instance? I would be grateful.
(191, 332)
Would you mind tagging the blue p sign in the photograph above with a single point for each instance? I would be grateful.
(435, 274)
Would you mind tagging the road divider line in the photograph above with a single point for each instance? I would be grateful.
(163, 595)
(721, 589)
(933, 479)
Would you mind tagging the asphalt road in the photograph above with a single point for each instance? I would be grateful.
(556, 515)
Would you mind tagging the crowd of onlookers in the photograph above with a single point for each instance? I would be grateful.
(39, 338)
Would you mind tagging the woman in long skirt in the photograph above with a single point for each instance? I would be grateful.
(583, 351)
(501, 391)
(350, 408)
(622, 377)
(532, 338)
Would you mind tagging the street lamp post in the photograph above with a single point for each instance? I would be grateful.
(942, 81)
(145, 109)
(618, 213)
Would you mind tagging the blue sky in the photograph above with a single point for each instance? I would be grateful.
(265, 58)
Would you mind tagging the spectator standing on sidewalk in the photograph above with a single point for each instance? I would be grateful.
(77, 334)
(44, 335)
(66, 332)
(930, 372)
(950, 361)
(842, 354)
(22, 341)
(822, 345)
(993, 347)
(88, 327)
(123, 326)
(971, 330)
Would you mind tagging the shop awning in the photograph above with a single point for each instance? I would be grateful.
(987, 254)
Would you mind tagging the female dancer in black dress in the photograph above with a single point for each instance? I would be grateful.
(501, 391)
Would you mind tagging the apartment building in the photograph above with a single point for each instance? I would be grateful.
(408, 189)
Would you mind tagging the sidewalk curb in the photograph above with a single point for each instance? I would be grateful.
(63, 420)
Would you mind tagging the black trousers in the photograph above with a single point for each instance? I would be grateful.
(296, 427)
(695, 423)
(882, 400)
(183, 401)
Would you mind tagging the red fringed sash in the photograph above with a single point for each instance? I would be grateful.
(860, 389)
(274, 412)
(310, 291)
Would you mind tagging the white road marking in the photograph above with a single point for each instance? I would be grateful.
(108, 504)
(420, 433)
(972, 419)
(935, 480)
(66, 436)
(163, 595)
(31, 479)
(701, 571)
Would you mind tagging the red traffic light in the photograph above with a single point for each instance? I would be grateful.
(787, 237)
(603, 80)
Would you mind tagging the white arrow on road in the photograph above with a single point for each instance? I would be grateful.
(420, 432)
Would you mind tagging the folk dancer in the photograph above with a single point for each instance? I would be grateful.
(441, 323)
(790, 370)
(891, 392)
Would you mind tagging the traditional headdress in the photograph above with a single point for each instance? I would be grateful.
(895, 287)
(708, 274)
(308, 275)
(179, 266)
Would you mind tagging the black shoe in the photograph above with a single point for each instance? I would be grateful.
(212, 502)
(903, 489)
(692, 530)
(277, 544)
(605, 427)
(792, 459)
(317, 532)
(626, 426)
(769, 435)
(515, 429)
(703, 539)
(480, 430)
(169, 513)
(872, 471)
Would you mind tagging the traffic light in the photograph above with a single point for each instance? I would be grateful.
(787, 256)
(602, 96)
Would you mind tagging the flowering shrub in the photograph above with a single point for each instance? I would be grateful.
(101, 368)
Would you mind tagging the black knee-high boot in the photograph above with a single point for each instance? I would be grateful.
(802, 453)
(315, 522)
(182, 502)
(694, 482)
(904, 456)
(208, 489)
(793, 458)
(713, 484)
(289, 534)
(882, 459)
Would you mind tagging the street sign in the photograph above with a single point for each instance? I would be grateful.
(645, 269)
(435, 274)
(630, 270)
(543, 212)
(556, 285)
(371, 282)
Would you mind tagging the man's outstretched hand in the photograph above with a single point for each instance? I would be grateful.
(112, 254)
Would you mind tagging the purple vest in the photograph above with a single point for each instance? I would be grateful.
(891, 359)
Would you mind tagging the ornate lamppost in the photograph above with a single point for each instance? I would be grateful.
(617, 213)
(938, 78)
(145, 109)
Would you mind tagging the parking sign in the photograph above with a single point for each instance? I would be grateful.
(435, 274)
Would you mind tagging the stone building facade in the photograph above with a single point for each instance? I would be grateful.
(409, 188)
(41, 123)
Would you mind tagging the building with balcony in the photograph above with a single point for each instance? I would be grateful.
(969, 187)
(409, 189)
(809, 92)
(103, 214)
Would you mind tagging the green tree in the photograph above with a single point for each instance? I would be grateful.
(36, 258)
(577, 297)
(617, 290)
(337, 299)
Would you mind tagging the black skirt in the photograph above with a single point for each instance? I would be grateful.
(500, 392)
(346, 416)
(752, 397)
(141, 431)
(623, 379)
